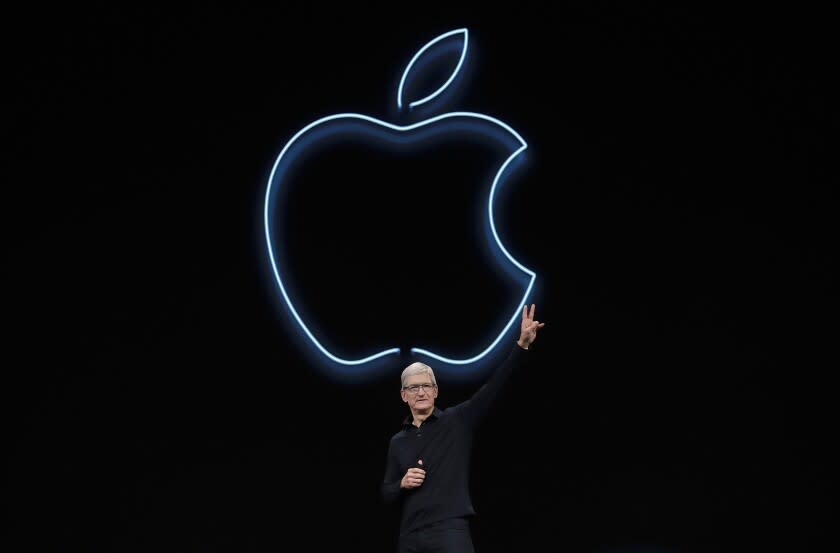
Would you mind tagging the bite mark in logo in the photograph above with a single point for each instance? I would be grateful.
(372, 128)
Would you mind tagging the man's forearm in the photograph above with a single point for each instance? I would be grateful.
(474, 408)
(391, 492)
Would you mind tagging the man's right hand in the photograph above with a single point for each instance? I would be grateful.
(413, 478)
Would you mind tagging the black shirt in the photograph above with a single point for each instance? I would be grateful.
(444, 442)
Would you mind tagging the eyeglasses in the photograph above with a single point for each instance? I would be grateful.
(414, 388)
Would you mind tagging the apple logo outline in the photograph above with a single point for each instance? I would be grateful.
(319, 129)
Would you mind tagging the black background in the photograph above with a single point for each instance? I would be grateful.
(678, 206)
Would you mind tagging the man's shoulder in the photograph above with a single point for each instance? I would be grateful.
(399, 433)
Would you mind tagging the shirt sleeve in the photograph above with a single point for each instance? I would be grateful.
(390, 489)
(473, 410)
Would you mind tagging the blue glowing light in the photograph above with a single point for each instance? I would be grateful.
(396, 133)
(418, 55)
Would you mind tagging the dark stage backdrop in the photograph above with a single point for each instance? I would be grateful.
(678, 204)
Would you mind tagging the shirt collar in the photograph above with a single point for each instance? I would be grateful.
(409, 420)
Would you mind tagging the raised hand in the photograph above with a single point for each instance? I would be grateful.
(528, 328)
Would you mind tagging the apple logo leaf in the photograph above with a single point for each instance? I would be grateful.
(423, 59)
(307, 146)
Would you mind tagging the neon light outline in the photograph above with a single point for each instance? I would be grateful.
(278, 279)
(496, 180)
(417, 56)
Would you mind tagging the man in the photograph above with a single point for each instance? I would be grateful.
(427, 467)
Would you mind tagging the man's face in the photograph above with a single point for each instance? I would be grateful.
(419, 392)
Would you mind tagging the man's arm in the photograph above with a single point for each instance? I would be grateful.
(393, 484)
(390, 488)
(472, 410)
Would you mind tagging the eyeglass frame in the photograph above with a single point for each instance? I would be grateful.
(427, 386)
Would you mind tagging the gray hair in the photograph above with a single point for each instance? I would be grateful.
(415, 369)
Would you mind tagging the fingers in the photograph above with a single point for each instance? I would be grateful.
(526, 315)
(531, 327)
(414, 478)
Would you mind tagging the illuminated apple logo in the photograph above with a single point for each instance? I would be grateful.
(310, 142)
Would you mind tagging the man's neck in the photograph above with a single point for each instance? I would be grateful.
(421, 416)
